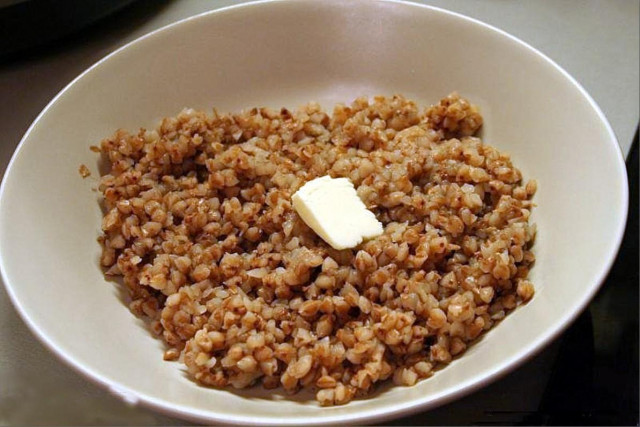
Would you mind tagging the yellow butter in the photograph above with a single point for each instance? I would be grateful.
(332, 208)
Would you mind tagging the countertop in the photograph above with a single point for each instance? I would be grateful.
(587, 376)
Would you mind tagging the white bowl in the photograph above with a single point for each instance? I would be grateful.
(284, 54)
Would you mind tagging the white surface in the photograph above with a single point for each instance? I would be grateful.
(605, 60)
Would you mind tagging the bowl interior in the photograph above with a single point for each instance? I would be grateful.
(286, 54)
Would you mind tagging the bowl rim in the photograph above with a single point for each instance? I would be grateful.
(404, 408)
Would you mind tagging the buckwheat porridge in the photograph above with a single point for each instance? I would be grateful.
(200, 227)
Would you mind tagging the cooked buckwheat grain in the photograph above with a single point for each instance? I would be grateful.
(200, 227)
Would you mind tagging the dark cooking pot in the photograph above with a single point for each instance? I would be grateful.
(27, 23)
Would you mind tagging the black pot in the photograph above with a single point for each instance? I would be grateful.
(28, 23)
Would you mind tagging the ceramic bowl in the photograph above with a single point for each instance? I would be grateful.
(286, 53)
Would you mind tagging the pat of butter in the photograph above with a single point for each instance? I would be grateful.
(332, 208)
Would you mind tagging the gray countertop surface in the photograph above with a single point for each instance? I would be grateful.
(596, 41)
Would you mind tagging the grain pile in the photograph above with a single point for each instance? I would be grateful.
(199, 225)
